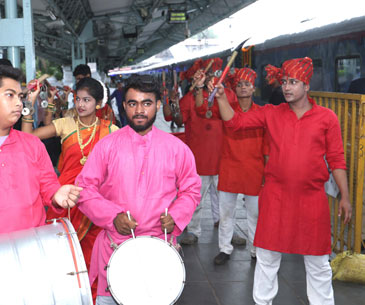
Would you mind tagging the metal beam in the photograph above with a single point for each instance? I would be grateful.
(175, 33)
(60, 14)
(147, 21)
(63, 39)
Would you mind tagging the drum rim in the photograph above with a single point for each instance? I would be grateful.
(155, 238)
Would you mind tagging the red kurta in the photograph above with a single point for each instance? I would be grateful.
(203, 136)
(241, 167)
(294, 213)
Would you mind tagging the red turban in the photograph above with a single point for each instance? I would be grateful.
(298, 68)
(217, 64)
(245, 74)
(272, 74)
(229, 80)
(189, 73)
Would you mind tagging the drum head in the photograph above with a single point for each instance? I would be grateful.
(146, 270)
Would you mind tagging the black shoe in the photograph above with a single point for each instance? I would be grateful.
(238, 240)
(189, 239)
(221, 258)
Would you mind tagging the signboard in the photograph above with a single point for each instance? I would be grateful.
(177, 17)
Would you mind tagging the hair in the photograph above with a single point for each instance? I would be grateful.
(82, 69)
(5, 62)
(143, 83)
(10, 72)
(92, 86)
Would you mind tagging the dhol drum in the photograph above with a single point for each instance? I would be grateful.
(146, 270)
(43, 266)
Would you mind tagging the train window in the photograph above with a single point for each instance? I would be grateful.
(316, 83)
(347, 69)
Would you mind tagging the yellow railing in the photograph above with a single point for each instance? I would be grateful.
(350, 110)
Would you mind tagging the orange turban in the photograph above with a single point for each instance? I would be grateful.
(298, 68)
(272, 74)
(245, 74)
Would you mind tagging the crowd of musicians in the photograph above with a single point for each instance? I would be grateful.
(276, 155)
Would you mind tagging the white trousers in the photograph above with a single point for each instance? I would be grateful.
(227, 212)
(209, 183)
(318, 278)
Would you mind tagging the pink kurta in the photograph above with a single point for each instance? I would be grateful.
(27, 182)
(140, 174)
(294, 214)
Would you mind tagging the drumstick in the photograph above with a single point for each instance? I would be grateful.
(33, 86)
(165, 228)
(129, 217)
(205, 71)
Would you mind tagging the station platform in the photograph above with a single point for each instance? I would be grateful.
(231, 284)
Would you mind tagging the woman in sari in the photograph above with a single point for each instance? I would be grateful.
(79, 134)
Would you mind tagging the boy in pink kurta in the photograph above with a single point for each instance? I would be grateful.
(140, 169)
(28, 182)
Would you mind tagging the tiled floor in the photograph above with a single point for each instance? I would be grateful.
(231, 284)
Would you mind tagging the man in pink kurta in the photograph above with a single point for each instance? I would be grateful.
(293, 208)
(140, 169)
(28, 182)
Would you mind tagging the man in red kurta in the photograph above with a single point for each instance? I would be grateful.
(241, 166)
(294, 215)
(204, 137)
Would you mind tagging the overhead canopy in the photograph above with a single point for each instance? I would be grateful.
(116, 32)
(298, 25)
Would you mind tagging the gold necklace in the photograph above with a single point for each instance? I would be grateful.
(82, 146)
(87, 126)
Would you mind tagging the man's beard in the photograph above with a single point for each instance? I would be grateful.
(139, 128)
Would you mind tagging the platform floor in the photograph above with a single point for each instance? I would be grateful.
(231, 284)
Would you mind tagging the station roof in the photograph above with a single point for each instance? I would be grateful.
(120, 32)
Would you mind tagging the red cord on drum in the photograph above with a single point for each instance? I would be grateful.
(72, 250)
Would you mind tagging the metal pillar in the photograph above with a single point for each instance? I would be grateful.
(78, 59)
(29, 40)
(11, 13)
(18, 32)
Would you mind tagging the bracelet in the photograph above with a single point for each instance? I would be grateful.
(25, 120)
(199, 87)
(51, 108)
